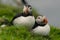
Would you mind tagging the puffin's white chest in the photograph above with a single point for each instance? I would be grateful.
(26, 21)
(42, 30)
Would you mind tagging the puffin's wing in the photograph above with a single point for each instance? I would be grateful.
(17, 15)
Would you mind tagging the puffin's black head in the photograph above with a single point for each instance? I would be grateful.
(41, 20)
(27, 9)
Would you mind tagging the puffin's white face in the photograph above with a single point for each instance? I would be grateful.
(40, 19)
(27, 9)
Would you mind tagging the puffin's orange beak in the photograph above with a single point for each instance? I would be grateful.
(45, 20)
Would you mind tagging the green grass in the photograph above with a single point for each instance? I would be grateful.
(21, 33)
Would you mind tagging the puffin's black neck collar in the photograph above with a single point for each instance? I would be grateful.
(25, 15)
(41, 24)
(36, 24)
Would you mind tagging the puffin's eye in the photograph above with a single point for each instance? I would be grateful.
(30, 8)
(38, 17)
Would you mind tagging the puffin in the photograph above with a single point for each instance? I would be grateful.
(41, 26)
(25, 18)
